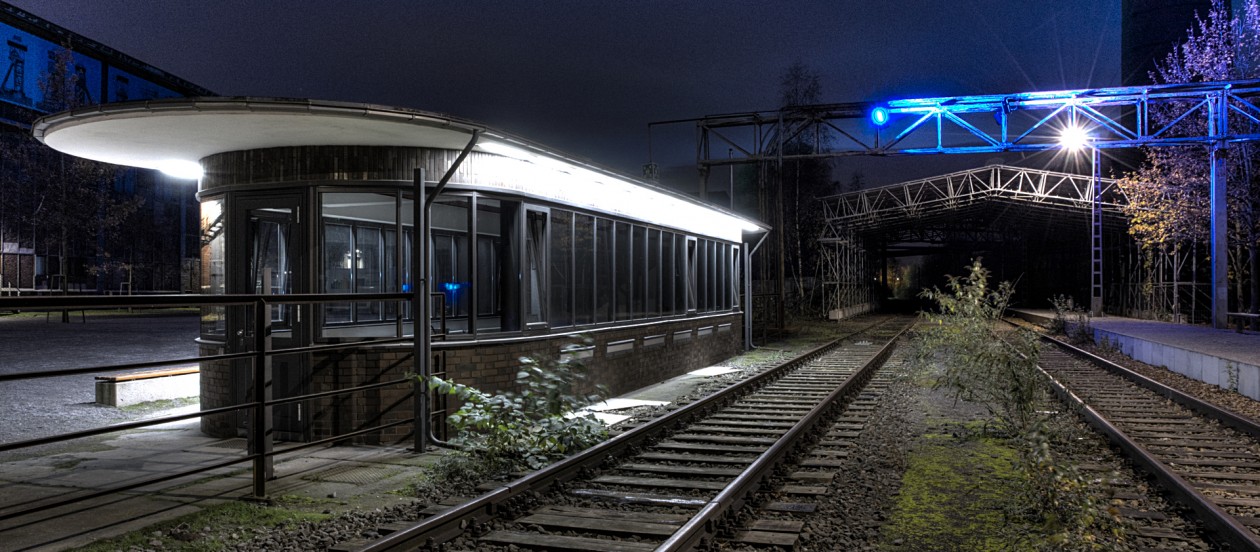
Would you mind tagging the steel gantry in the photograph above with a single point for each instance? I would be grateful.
(1209, 114)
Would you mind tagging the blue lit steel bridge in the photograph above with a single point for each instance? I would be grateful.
(1208, 115)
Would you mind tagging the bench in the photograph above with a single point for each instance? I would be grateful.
(156, 385)
(1240, 318)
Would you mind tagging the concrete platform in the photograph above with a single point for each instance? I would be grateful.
(1225, 358)
(338, 478)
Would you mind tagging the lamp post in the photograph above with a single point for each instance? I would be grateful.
(1074, 138)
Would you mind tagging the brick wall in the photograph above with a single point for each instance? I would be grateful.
(216, 391)
(621, 359)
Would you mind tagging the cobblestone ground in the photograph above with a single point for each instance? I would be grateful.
(29, 342)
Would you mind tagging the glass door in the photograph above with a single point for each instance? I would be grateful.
(270, 256)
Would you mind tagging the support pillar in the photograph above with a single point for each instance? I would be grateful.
(1220, 240)
(1218, 125)
(1096, 238)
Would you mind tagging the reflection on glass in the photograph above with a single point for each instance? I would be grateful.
(213, 275)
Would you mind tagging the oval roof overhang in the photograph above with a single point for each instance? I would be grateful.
(160, 133)
(152, 133)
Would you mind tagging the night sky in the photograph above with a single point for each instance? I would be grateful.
(586, 77)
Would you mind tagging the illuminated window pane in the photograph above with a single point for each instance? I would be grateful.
(213, 275)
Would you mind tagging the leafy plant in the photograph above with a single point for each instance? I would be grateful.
(1071, 320)
(998, 372)
(531, 427)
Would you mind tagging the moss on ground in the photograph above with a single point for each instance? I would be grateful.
(218, 527)
(958, 494)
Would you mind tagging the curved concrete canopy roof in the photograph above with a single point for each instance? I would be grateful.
(150, 134)
(162, 134)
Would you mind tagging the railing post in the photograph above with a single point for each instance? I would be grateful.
(420, 313)
(260, 428)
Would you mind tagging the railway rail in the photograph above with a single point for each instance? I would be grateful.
(677, 482)
(1207, 458)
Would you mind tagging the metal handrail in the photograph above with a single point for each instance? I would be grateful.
(260, 451)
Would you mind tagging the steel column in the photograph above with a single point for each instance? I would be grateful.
(1217, 127)
(1096, 237)
(1219, 253)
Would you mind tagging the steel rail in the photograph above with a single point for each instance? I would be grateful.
(1225, 526)
(704, 525)
(453, 522)
(1229, 418)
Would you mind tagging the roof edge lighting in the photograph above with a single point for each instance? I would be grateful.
(180, 168)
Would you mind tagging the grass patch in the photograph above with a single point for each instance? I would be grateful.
(218, 527)
(159, 405)
(960, 492)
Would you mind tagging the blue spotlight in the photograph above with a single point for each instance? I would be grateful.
(879, 116)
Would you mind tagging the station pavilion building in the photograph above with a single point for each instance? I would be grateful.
(528, 247)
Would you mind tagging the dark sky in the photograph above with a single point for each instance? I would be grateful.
(587, 76)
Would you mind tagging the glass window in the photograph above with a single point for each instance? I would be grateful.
(653, 273)
(622, 275)
(638, 267)
(584, 269)
(450, 259)
(603, 270)
(667, 274)
(489, 267)
(338, 270)
(561, 277)
(535, 266)
(390, 271)
(368, 264)
(737, 277)
(213, 273)
(361, 254)
(691, 274)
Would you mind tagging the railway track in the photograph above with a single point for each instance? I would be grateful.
(1207, 458)
(676, 482)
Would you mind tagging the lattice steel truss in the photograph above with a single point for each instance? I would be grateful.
(898, 203)
(1202, 114)
(940, 209)
(1210, 114)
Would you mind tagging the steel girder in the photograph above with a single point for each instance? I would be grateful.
(900, 203)
(1208, 114)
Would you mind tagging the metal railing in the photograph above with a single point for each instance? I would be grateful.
(260, 404)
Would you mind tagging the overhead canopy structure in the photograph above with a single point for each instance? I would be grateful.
(996, 207)
(977, 192)
(1211, 115)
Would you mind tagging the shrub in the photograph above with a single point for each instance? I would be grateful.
(997, 372)
(531, 427)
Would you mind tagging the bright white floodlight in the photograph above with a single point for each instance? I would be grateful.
(178, 168)
(1074, 138)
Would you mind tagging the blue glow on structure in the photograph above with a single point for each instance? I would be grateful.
(451, 286)
(879, 116)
